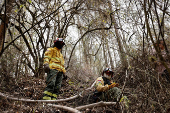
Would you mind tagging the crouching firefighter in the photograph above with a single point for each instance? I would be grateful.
(106, 90)
(54, 67)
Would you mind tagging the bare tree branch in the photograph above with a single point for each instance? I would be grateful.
(101, 103)
(65, 108)
(106, 28)
(39, 101)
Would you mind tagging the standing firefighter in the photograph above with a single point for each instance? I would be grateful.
(54, 67)
(105, 89)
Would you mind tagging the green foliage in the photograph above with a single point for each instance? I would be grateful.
(70, 82)
(125, 101)
(29, 1)
(21, 5)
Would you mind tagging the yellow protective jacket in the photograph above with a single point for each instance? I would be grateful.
(100, 85)
(55, 59)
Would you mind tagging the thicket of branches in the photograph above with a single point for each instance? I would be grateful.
(98, 34)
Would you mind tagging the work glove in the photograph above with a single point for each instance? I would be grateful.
(113, 85)
(46, 68)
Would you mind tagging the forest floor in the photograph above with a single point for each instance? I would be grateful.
(32, 88)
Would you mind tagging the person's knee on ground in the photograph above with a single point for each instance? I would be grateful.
(114, 94)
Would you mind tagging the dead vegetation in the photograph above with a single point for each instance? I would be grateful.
(144, 92)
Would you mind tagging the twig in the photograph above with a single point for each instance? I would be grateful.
(123, 86)
(91, 86)
(65, 108)
(101, 103)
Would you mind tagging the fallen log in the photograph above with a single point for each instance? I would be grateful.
(37, 101)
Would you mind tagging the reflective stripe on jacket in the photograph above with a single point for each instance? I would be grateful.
(55, 59)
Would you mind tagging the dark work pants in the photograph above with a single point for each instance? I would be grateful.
(53, 81)
(112, 94)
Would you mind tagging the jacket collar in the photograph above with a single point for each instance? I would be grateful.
(57, 49)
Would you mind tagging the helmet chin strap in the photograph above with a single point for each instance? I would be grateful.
(107, 76)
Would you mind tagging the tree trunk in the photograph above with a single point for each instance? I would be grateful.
(120, 46)
(110, 56)
(5, 20)
(2, 31)
(121, 51)
(105, 53)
